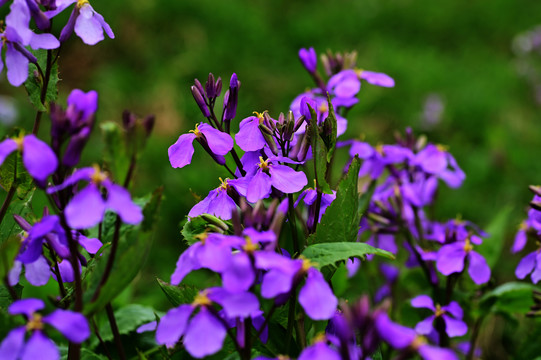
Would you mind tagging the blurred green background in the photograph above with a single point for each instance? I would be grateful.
(460, 50)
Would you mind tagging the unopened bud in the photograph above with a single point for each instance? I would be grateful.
(198, 97)
(269, 139)
(536, 189)
(216, 221)
(210, 86)
(305, 145)
(299, 122)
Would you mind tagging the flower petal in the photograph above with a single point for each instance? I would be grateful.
(11, 346)
(40, 347)
(17, 65)
(72, 325)
(219, 142)
(38, 272)
(451, 258)
(38, 158)
(86, 209)
(478, 270)
(526, 265)
(249, 137)
(87, 26)
(6, 147)
(454, 327)
(259, 188)
(172, 325)
(286, 179)
(26, 306)
(317, 298)
(181, 152)
(119, 200)
(423, 301)
(205, 335)
(426, 326)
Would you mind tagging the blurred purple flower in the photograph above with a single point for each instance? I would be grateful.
(451, 259)
(375, 78)
(72, 325)
(308, 59)
(454, 326)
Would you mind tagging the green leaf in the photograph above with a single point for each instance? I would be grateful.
(115, 155)
(5, 296)
(330, 253)
(331, 128)
(8, 227)
(128, 319)
(35, 82)
(12, 166)
(491, 248)
(319, 154)
(510, 298)
(86, 354)
(341, 219)
(203, 224)
(8, 251)
(134, 245)
(177, 295)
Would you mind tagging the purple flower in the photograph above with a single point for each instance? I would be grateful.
(72, 325)
(319, 350)
(16, 36)
(38, 159)
(217, 203)
(87, 208)
(454, 326)
(204, 333)
(315, 296)
(531, 263)
(308, 59)
(249, 137)
(405, 339)
(376, 158)
(344, 86)
(375, 78)
(320, 104)
(87, 23)
(436, 161)
(181, 152)
(451, 259)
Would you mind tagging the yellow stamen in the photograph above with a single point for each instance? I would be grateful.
(358, 71)
(196, 131)
(379, 148)
(306, 264)
(98, 176)
(468, 246)
(249, 246)
(19, 141)
(319, 338)
(283, 357)
(442, 147)
(81, 3)
(223, 185)
(202, 299)
(260, 116)
(418, 342)
(34, 323)
(323, 108)
(202, 237)
(523, 226)
(263, 164)
(439, 311)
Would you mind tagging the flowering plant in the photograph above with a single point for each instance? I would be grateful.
(292, 256)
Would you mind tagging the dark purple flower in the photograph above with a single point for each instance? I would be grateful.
(454, 326)
(38, 158)
(87, 208)
(72, 325)
(181, 152)
(451, 259)
(308, 59)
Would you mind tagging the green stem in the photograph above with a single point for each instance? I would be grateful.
(290, 321)
(293, 224)
(43, 96)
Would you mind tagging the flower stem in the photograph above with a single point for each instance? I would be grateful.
(43, 96)
(114, 330)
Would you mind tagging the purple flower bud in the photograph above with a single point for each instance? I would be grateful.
(42, 22)
(198, 97)
(232, 99)
(308, 59)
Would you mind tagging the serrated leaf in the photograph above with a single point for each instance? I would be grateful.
(115, 155)
(340, 223)
(13, 169)
(202, 224)
(510, 298)
(491, 248)
(35, 82)
(319, 154)
(330, 253)
(177, 295)
(133, 248)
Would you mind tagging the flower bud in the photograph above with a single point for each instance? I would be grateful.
(198, 97)
(210, 86)
(232, 99)
(308, 59)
